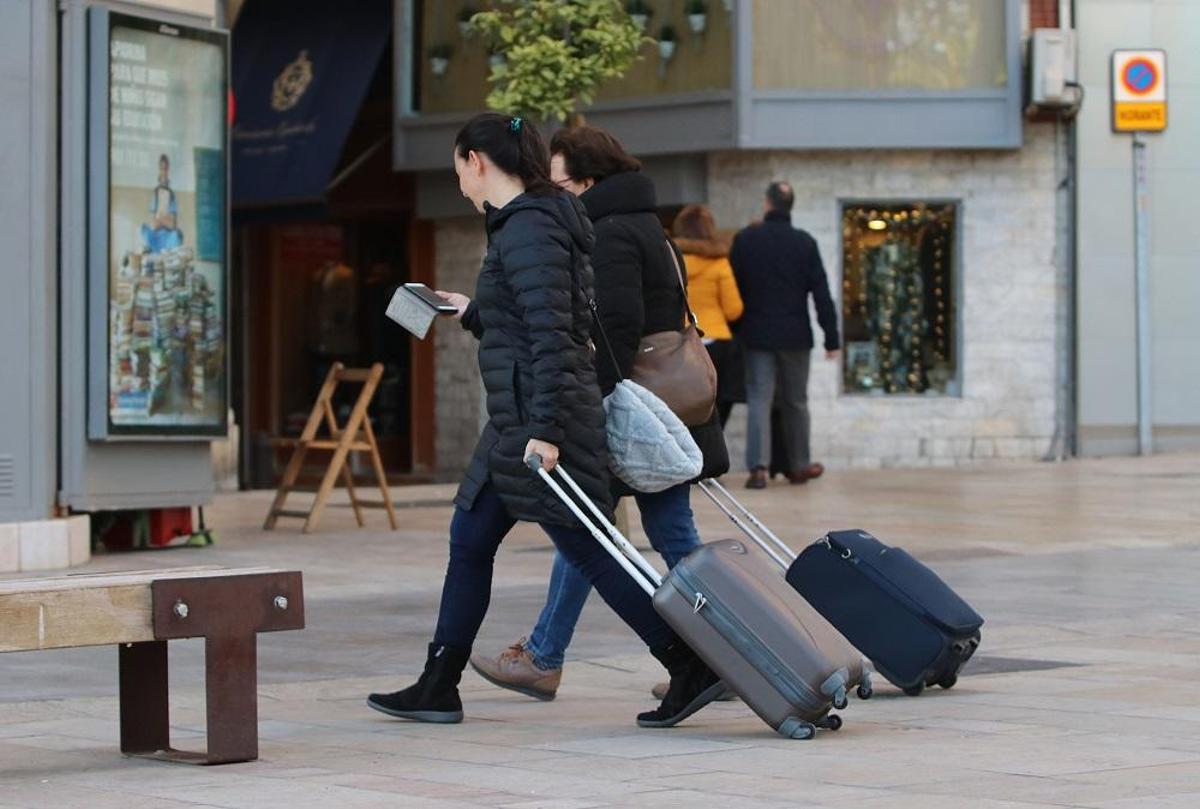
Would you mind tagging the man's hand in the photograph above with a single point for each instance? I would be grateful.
(548, 453)
(458, 301)
(832, 355)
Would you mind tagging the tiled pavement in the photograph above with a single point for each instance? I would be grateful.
(1086, 691)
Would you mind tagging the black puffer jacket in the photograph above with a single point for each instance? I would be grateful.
(637, 289)
(530, 313)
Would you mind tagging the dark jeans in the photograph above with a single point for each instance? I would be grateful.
(668, 522)
(789, 371)
(475, 537)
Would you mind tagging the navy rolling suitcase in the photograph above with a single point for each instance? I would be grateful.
(899, 613)
(895, 610)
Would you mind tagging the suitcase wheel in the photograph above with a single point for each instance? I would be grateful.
(915, 691)
(830, 722)
(948, 681)
(865, 691)
(795, 728)
(839, 699)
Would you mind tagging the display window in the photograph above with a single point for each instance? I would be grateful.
(899, 297)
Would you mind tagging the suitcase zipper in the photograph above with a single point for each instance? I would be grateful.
(877, 576)
(794, 689)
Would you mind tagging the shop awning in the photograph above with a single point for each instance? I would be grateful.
(300, 72)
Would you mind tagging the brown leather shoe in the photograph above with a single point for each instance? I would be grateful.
(515, 670)
(758, 478)
(807, 473)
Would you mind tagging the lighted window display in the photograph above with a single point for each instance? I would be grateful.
(898, 297)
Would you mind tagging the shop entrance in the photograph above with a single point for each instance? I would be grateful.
(324, 232)
(314, 293)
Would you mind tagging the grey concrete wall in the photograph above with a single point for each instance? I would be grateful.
(28, 54)
(459, 244)
(1107, 348)
(1010, 291)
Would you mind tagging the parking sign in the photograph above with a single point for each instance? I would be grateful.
(1139, 91)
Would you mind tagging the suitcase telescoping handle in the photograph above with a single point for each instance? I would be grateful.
(759, 533)
(618, 547)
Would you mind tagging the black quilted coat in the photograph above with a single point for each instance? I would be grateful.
(638, 290)
(530, 313)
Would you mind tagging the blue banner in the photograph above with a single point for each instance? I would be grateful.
(300, 72)
(210, 204)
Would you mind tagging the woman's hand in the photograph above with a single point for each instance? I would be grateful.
(458, 301)
(548, 453)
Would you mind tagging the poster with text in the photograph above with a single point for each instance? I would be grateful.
(168, 220)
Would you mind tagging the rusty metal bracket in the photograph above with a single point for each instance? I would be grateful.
(228, 612)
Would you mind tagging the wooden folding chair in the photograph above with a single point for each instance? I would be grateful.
(356, 436)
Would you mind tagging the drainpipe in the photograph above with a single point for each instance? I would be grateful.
(1066, 19)
(1063, 446)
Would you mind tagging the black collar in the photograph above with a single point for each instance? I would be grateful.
(628, 192)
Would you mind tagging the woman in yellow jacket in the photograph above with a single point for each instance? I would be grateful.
(714, 297)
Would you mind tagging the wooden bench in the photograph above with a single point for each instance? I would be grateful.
(139, 612)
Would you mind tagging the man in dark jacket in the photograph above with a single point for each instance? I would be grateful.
(777, 268)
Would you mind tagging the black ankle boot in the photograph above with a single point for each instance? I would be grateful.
(693, 685)
(434, 697)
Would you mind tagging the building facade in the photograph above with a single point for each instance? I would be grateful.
(956, 313)
(980, 250)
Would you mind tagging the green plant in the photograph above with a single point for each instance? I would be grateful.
(696, 7)
(667, 33)
(557, 53)
(467, 13)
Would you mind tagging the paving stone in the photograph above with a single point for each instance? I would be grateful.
(1060, 558)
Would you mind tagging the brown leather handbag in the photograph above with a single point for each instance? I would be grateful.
(675, 366)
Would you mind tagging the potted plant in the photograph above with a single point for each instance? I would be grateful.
(666, 42)
(439, 59)
(697, 14)
(639, 12)
(464, 20)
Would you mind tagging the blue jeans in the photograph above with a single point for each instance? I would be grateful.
(668, 522)
(475, 537)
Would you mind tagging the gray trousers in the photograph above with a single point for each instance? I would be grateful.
(765, 372)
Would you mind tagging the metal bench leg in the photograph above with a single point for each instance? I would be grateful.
(145, 722)
(231, 667)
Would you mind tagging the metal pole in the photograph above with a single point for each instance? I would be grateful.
(1141, 230)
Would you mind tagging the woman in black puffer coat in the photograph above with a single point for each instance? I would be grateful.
(531, 316)
(639, 289)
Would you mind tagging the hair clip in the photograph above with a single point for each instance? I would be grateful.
(515, 124)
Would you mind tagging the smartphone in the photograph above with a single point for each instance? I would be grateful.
(432, 298)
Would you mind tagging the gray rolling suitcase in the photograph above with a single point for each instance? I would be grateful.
(729, 603)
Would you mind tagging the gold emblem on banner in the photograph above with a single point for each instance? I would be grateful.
(291, 83)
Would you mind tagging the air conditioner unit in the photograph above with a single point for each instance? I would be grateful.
(1053, 69)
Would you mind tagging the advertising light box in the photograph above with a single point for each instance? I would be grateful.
(158, 222)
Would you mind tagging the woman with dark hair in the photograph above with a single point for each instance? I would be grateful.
(714, 296)
(639, 291)
(532, 319)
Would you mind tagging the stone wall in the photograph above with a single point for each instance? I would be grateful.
(1010, 291)
(459, 246)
